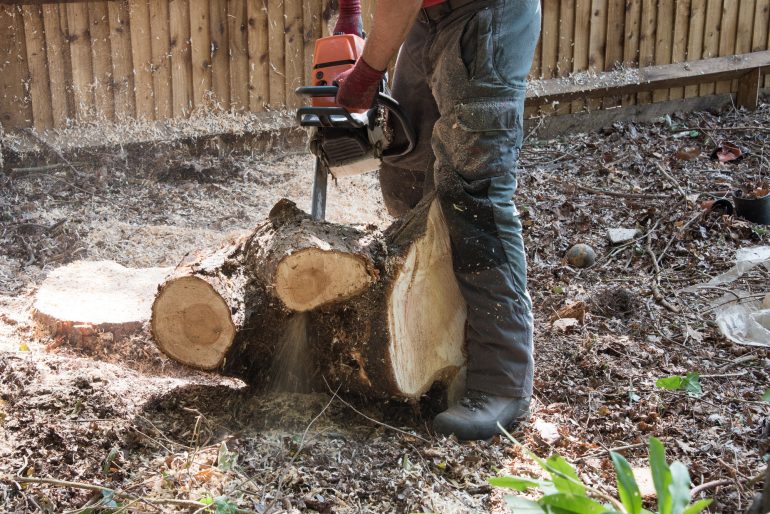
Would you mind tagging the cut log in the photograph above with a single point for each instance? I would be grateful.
(408, 331)
(88, 298)
(378, 314)
(311, 263)
(228, 310)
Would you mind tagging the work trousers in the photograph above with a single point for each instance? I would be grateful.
(461, 81)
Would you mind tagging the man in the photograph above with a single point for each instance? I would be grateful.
(460, 77)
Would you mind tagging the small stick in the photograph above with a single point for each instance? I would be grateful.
(608, 450)
(708, 485)
(619, 194)
(374, 420)
(54, 150)
(94, 487)
(673, 181)
(655, 286)
(682, 229)
(721, 375)
(726, 129)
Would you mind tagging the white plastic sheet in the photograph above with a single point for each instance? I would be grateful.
(742, 321)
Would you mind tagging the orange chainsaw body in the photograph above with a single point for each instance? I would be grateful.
(332, 56)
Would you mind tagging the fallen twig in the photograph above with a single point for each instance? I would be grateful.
(708, 485)
(608, 450)
(404, 432)
(94, 487)
(673, 237)
(655, 278)
(673, 181)
(620, 194)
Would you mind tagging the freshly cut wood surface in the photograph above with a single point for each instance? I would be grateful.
(96, 296)
(199, 307)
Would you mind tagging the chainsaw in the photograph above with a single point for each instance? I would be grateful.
(346, 142)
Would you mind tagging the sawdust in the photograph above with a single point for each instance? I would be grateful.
(66, 408)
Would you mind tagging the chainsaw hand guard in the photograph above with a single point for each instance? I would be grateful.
(339, 117)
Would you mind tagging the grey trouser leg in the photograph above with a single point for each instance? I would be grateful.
(403, 180)
(475, 62)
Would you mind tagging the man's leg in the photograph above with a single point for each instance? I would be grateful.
(403, 179)
(482, 60)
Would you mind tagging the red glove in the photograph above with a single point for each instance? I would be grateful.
(358, 86)
(349, 20)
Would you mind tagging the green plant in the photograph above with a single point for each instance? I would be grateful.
(565, 493)
(689, 383)
(220, 504)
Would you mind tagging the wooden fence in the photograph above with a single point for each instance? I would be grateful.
(156, 59)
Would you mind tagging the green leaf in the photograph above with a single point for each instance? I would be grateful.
(628, 490)
(661, 475)
(673, 383)
(226, 460)
(516, 483)
(561, 472)
(206, 500)
(692, 384)
(520, 505)
(766, 396)
(225, 506)
(698, 506)
(572, 503)
(689, 383)
(679, 488)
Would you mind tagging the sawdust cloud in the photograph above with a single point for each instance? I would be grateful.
(292, 366)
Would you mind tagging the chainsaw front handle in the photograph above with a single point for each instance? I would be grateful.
(387, 102)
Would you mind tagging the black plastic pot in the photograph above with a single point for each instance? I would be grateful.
(752, 209)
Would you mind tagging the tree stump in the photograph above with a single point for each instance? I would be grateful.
(91, 299)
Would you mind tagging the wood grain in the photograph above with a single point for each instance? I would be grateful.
(200, 52)
(294, 48)
(259, 70)
(276, 55)
(632, 33)
(80, 51)
(37, 60)
(141, 57)
(101, 55)
(181, 58)
(647, 42)
(239, 55)
(664, 38)
(59, 64)
(695, 38)
(679, 45)
(711, 38)
(727, 37)
(161, 59)
(220, 53)
(122, 62)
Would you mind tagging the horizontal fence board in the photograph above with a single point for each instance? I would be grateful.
(157, 59)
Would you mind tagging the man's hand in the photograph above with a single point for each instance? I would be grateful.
(358, 86)
(392, 21)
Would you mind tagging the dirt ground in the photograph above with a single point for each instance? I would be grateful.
(166, 438)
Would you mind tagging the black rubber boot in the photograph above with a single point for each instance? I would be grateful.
(477, 414)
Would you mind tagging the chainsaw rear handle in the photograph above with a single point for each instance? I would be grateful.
(381, 100)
